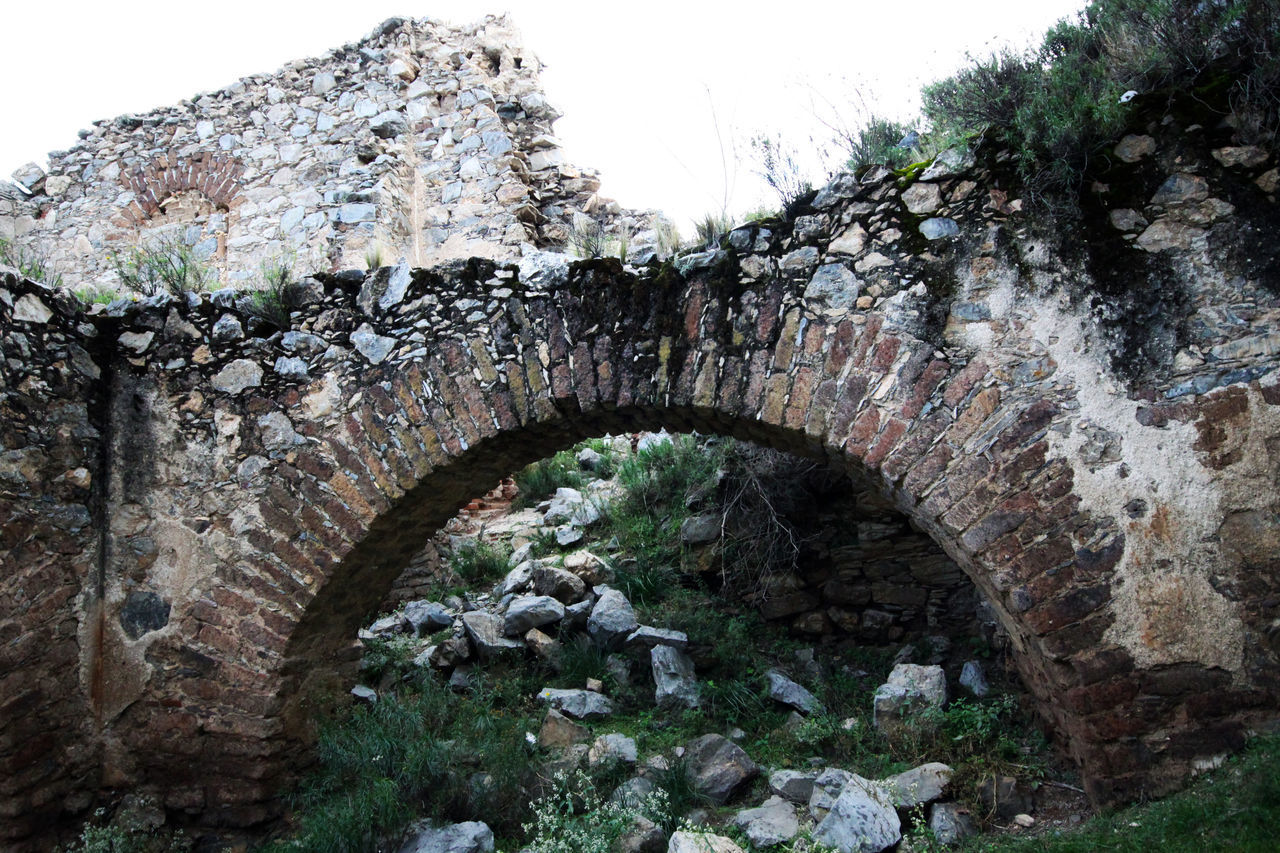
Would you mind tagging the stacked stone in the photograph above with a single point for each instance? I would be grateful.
(917, 329)
(421, 141)
(52, 674)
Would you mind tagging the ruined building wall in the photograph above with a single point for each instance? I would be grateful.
(423, 140)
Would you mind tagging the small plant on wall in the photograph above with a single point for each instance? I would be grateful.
(166, 265)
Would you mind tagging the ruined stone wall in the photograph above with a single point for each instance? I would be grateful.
(1083, 413)
(51, 502)
(421, 141)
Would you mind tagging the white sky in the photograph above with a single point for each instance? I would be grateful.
(643, 85)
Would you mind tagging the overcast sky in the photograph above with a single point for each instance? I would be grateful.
(643, 85)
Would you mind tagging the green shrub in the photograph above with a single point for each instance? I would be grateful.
(574, 818)
(539, 481)
(775, 162)
(166, 265)
(425, 751)
(1056, 108)
(478, 560)
(31, 263)
(274, 302)
(393, 657)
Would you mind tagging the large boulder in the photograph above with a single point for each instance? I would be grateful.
(531, 611)
(826, 790)
(612, 749)
(427, 617)
(562, 585)
(773, 822)
(862, 820)
(717, 767)
(486, 633)
(674, 683)
(922, 784)
(579, 704)
(612, 619)
(570, 506)
(793, 785)
(700, 842)
(911, 688)
(560, 732)
(469, 837)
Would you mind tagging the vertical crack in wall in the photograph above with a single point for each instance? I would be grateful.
(102, 350)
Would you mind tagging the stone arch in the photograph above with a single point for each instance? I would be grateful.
(155, 183)
(404, 440)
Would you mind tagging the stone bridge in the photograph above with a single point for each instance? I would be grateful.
(199, 509)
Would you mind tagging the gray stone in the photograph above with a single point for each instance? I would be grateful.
(579, 704)
(1132, 148)
(826, 788)
(485, 631)
(717, 767)
(852, 242)
(28, 176)
(291, 368)
(612, 748)
(1127, 219)
(29, 309)
(688, 264)
(227, 329)
(632, 793)
(1181, 188)
(950, 823)
(793, 785)
(371, 345)
(390, 626)
(427, 617)
(910, 688)
(278, 432)
(357, 212)
(690, 841)
(365, 694)
(572, 507)
(531, 611)
(922, 198)
(517, 579)
(799, 262)
(612, 619)
(835, 286)
(136, 341)
(700, 529)
(783, 689)
(773, 822)
(674, 683)
(647, 637)
(938, 228)
(862, 820)
(323, 82)
(567, 536)
(1233, 157)
(544, 270)
(1166, 233)
(560, 732)
(948, 163)
(562, 585)
(922, 784)
(469, 837)
(388, 125)
(589, 460)
(973, 679)
(237, 376)
(384, 288)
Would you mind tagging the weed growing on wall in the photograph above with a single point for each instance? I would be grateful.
(167, 265)
(30, 263)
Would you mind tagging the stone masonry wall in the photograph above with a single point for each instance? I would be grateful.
(421, 141)
(1083, 414)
